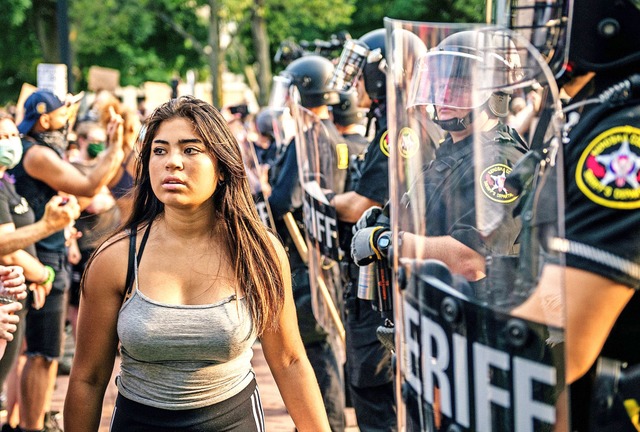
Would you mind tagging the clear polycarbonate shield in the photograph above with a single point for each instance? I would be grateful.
(474, 351)
(254, 171)
(322, 167)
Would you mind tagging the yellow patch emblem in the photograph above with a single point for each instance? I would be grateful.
(408, 142)
(492, 183)
(342, 151)
(608, 171)
(41, 108)
(384, 143)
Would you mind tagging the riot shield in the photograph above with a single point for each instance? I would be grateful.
(322, 164)
(465, 241)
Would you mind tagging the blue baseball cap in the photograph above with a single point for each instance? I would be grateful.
(40, 102)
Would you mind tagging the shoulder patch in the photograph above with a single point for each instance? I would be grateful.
(384, 143)
(343, 155)
(608, 171)
(408, 142)
(492, 181)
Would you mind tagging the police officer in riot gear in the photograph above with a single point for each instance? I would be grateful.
(348, 118)
(455, 232)
(599, 70)
(310, 75)
(369, 367)
(442, 79)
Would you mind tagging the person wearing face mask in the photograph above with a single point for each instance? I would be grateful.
(100, 215)
(41, 174)
(19, 231)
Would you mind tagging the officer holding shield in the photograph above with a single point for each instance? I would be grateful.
(369, 368)
(455, 226)
(310, 76)
(596, 57)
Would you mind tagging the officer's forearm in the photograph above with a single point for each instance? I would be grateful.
(458, 257)
(351, 205)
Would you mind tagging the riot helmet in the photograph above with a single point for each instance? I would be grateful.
(264, 121)
(347, 112)
(311, 75)
(363, 57)
(578, 36)
(471, 70)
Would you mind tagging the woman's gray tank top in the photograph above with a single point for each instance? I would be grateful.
(184, 356)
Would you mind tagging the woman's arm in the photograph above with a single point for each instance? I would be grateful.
(97, 338)
(287, 359)
(56, 217)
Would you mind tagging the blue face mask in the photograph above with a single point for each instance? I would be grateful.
(10, 151)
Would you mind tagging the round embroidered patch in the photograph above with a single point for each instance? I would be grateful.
(492, 183)
(608, 171)
(408, 142)
(384, 143)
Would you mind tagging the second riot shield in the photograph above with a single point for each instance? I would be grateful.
(467, 245)
(322, 164)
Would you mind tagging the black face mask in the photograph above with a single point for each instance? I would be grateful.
(56, 139)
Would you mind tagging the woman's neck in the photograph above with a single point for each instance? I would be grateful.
(188, 224)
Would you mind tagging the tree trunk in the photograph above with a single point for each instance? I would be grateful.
(214, 55)
(46, 23)
(261, 44)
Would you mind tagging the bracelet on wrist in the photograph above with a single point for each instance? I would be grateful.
(50, 275)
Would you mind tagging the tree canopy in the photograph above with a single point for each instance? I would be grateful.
(156, 40)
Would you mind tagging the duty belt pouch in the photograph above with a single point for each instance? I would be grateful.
(615, 399)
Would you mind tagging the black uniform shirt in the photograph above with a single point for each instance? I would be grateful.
(602, 212)
(466, 199)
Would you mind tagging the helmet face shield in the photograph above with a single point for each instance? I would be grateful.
(352, 60)
(544, 25)
(449, 79)
(279, 91)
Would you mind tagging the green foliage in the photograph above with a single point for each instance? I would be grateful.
(153, 40)
(130, 36)
(19, 50)
(370, 13)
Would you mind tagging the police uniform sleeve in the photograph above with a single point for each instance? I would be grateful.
(285, 183)
(602, 210)
(374, 182)
(488, 225)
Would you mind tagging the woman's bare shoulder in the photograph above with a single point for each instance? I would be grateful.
(111, 258)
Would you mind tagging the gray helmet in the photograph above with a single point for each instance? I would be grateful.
(264, 120)
(347, 112)
(311, 75)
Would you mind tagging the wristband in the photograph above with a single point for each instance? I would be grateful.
(51, 275)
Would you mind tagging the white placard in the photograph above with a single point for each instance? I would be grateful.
(53, 77)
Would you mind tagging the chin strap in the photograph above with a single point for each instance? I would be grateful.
(455, 124)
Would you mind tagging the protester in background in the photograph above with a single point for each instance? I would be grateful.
(18, 232)
(100, 215)
(122, 182)
(211, 269)
(40, 175)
